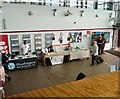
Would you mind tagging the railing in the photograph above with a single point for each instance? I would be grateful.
(72, 3)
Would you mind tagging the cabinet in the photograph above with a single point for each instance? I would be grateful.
(48, 39)
(14, 39)
(28, 39)
(38, 43)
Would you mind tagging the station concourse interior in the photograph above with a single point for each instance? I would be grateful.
(70, 27)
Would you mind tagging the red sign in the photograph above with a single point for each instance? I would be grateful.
(4, 47)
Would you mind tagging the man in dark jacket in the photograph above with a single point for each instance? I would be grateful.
(4, 63)
(99, 43)
(103, 43)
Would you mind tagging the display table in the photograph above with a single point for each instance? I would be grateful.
(84, 53)
(105, 85)
(55, 58)
(22, 62)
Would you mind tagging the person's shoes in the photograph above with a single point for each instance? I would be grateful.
(9, 78)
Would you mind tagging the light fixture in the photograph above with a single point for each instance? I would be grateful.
(30, 13)
(81, 13)
(54, 12)
(110, 15)
(96, 15)
(68, 13)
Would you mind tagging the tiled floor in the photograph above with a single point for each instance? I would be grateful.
(44, 76)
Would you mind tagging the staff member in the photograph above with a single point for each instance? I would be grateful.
(25, 47)
(50, 49)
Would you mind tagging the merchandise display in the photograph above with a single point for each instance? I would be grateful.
(14, 44)
(48, 40)
(38, 43)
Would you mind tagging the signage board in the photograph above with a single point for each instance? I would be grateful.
(4, 47)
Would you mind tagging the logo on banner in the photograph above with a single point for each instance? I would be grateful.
(11, 66)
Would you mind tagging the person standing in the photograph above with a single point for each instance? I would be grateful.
(25, 48)
(50, 49)
(99, 43)
(2, 79)
(4, 61)
(103, 44)
(94, 52)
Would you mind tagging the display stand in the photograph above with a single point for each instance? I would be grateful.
(85, 53)
(55, 58)
(38, 43)
(14, 44)
(22, 62)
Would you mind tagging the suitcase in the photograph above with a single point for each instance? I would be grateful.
(99, 59)
(96, 60)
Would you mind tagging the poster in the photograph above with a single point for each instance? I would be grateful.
(96, 35)
(75, 37)
(4, 47)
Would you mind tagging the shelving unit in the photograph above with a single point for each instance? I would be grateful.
(38, 43)
(28, 39)
(14, 39)
(48, 39)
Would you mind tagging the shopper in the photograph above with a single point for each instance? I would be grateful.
(94, 52)
(2, 79)
(5, 64)
(25, 48)
(99, 43)
(103, 44)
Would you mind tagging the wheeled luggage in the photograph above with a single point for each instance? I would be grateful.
(99, 59)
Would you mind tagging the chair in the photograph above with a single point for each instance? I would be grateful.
(80, 76)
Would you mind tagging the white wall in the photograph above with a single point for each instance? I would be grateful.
(17, 18)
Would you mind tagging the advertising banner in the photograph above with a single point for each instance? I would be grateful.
(22, 63)
(4, 47)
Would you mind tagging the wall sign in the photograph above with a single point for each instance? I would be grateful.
(4, 47)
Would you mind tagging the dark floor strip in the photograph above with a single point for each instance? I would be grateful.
(114, 52)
